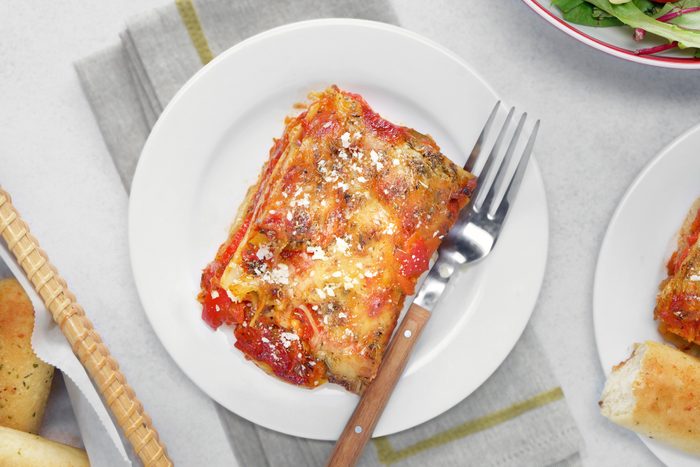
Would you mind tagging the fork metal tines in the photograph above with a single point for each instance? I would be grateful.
(480, 223)
(492, 184)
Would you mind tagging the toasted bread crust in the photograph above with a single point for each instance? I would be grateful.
(668, 397)
(25, 381)
(666, 393)
(19, 449)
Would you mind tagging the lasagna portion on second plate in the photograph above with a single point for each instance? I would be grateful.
(678, 302)
(341, 223)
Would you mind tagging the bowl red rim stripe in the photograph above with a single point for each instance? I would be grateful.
(536, 3)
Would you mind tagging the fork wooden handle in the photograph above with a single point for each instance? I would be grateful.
(359, 428)
(86, 343)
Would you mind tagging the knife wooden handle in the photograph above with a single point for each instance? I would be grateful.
(85, 341)
(359, 428)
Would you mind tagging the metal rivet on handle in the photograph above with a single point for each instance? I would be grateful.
(407, 333)
(358, 429)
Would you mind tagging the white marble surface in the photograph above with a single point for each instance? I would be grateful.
(603, 119)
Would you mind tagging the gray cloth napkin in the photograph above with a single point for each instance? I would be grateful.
(518, 417)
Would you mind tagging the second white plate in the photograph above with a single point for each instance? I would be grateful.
(208, 147)
(640, 239)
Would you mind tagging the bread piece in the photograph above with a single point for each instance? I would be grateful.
(25, 381)
(18, 449)
(656, 392)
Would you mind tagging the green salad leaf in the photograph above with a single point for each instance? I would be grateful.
(585, 13)
(687, 20)
(642, 14)
(679, 5)
(649, 7)
(630, 14)
(582, 12)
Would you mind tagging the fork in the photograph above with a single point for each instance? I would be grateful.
(471, 239)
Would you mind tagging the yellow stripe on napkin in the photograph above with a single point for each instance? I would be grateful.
(387, 454)
(194, 29)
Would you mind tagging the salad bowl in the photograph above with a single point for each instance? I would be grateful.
(660, 33)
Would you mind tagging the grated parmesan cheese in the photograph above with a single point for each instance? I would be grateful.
(279, 275)
(331, 177)
(287, 338)
(341, 245)
(317, 253)
(375, 159)
(264, 252)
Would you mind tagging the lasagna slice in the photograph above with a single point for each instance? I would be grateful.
(678, 302)
(341, 223)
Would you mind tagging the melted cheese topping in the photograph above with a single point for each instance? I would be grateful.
(341, 228)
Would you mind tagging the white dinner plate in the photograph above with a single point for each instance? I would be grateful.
(640, 239)
(207, 149)
(616, 41)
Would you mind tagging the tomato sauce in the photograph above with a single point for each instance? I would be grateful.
(413, 261)
(217, 306)
(377, 302)
(322, 125)
(679, 256)
(682, 312)
(384, 128)
(305, 328)
(285, 358)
